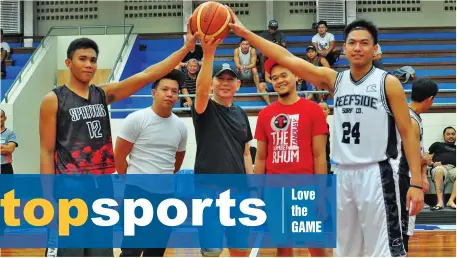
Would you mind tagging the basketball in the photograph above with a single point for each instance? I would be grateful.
(211, 19)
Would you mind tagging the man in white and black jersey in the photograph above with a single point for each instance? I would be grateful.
(423, 94)
(368, 102)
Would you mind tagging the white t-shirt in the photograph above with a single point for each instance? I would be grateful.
(5, 46)
(323, 42)
(379, 50)
(155, 143)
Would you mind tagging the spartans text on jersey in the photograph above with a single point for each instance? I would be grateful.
(87, 112)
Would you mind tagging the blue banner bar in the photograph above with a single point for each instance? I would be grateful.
(174, 211)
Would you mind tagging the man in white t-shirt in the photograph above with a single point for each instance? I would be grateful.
(324, 42)
(5, 52)
(155, 141)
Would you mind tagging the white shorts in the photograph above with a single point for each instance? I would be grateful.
(368, 211)
(411, 225)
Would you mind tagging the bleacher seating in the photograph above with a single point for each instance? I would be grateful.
(18, 59)
(431, 54)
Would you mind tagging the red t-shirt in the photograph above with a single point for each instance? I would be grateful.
(288, 131)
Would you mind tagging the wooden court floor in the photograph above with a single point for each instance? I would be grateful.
(422, 244)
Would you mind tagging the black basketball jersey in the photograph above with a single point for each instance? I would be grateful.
(83, 137)
(404, 166)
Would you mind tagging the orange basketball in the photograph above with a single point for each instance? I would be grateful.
(211, 19)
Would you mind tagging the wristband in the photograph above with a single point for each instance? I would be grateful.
(416, 186)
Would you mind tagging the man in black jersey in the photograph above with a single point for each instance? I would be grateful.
(423, 94)
(75, 131)
(223, 133)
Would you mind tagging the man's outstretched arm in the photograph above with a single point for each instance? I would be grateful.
(320, 76)
(120, 90)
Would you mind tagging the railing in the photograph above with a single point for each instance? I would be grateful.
(43, 46)
(119, 56)
(257, 108)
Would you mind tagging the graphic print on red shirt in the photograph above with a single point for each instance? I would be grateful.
(288, 131)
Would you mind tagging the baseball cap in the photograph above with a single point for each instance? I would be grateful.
(273, 24)
(269, 64)
(310, 47)
(220, 68)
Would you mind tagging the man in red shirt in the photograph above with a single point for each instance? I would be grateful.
(291, 135)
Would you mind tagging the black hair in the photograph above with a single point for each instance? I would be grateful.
(2, 31)
(3, 112)
(423, 88)
(449, 127)
(174, 75)
(242, 39)
(322, 22)
(81, 43)
(362, 25)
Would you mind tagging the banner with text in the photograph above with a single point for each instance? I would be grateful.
(174, 211)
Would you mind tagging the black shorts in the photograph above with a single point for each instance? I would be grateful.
(404, 183)
(79, 252)
(7, 169)
(72, 187)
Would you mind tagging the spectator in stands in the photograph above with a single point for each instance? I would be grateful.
(245, 58)
(324, 42)
(190, 82)
(314, 58)
(8, 145)
(377, 60)
(265, 87)
(326, 110)
(196, 53)
(273, 34)
(5, 49)
(443, 166)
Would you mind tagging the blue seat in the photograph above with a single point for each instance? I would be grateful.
(20, 59)
(13, 71)
(5, 86)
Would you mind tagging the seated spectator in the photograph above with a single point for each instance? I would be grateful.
(324, 42)
(196, 53)
(314, 58)
(265, 87)
(190, 82)
(443, 166)
(273, 34)
(377, 61)
(245, 58)
(5, 50)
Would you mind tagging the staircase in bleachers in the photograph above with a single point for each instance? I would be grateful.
(18, 58)
(430, 53)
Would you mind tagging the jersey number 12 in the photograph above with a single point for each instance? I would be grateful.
(351, 131)
(94, 129)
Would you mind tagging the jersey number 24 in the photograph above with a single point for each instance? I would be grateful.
(351, 131)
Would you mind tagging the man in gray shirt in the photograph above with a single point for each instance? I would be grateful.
(273, 34)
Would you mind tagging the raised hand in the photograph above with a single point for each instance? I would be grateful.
(209, 45)
(236, 26)
(191, 39)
